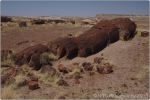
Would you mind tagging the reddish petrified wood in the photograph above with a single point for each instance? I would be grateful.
(90, 42)
(94, 40)
(64, 47)
(25, 55)
(33, 85)
(126, 27)
(144, 34)
(6, 19)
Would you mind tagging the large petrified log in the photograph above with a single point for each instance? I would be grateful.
(127, 28)
(94, 40)
(88, 43)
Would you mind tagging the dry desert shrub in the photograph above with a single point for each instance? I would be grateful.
(7, 60)
(47, 57)
(76, 72)
(9, 93)
(20, 80)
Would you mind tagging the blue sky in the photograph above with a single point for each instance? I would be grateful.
(73, 8)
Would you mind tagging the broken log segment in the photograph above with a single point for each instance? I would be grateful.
(94, 40)
(25, 55)
(64, 47)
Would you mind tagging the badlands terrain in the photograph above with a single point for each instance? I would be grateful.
(128, 76)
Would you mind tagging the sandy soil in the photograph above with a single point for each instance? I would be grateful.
(130, 78)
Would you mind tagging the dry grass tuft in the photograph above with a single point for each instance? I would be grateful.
(9, 93)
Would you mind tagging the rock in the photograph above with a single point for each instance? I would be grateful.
(98, 60)
(144, 34)
(105, 69)
(33, 85)
(87, 66)
(62, 82)
(38, 21)
(22, 24)
(62, 69)
(6, 19)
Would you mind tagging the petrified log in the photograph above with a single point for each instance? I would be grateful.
(6, 19)
(25, 55)
(126, 27)
(94, 40)
(38, 21)
(64, 47)
(90, 42)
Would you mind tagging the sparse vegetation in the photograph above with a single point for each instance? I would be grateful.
(133, 73)
(9, 93)
(20, 80)
(46, 58)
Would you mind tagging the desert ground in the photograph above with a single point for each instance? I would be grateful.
(129, 60)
